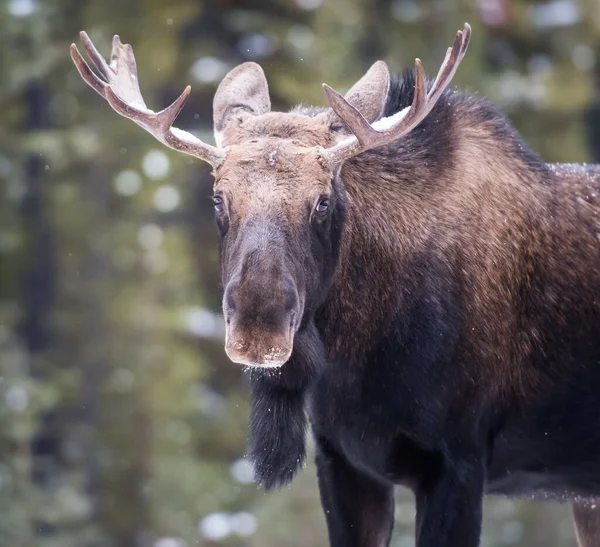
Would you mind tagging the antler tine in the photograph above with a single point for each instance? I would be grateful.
(453, 58)
(354, 119)
(95, 55)
(86, 72)
(420, 97)
(466, 40)
(118, 84)
(366, 135)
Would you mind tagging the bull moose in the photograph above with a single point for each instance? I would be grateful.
(405, 275)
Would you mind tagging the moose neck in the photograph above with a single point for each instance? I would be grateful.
(410, 207)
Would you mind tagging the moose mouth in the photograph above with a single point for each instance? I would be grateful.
(254, 347)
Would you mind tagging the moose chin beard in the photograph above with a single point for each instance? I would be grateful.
(278, 421)
(277, 434)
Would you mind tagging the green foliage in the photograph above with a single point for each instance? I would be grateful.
(121, 421)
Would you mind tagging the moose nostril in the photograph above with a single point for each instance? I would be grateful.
(290, 296)
(231, 296)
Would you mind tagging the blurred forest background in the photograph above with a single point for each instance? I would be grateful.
(122, 422)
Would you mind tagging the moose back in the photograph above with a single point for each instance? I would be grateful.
(401, 270)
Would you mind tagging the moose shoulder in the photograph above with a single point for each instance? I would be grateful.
(401, 268)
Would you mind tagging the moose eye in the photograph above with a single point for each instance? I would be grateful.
(219, 205)
(322, 206)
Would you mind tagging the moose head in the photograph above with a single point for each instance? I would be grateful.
(279, 201)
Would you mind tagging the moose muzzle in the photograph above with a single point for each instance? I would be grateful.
(262, 314)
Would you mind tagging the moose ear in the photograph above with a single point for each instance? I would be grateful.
(369, 94)
(243, 90)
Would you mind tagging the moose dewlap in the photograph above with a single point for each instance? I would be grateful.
(405, 274)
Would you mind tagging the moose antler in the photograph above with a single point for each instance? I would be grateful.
(118, 84)
(367, 136)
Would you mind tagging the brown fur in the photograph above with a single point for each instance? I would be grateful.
(267, 177)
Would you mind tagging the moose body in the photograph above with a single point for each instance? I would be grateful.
(431, 301)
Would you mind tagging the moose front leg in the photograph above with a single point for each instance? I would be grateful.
(449, 504)
(359, 510)
(586, 515)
